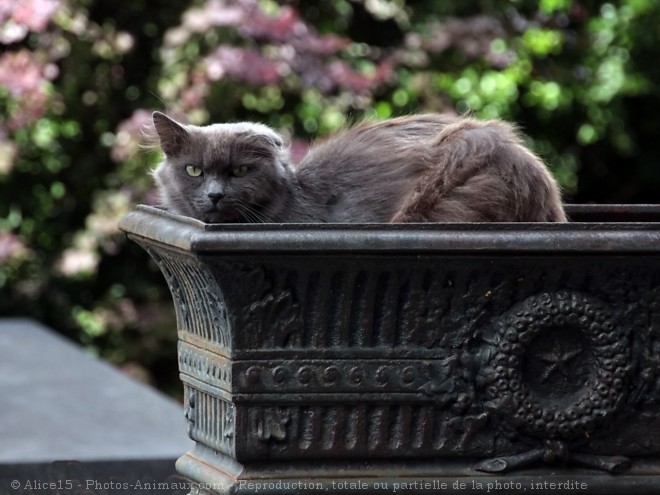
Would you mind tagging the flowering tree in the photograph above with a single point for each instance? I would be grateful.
(79, 79)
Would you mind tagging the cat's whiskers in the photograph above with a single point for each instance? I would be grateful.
(251, 213)
(246, 214)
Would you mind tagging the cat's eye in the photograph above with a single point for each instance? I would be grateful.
(193, 171)
(240, 171)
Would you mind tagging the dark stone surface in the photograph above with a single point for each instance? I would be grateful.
(67, 416)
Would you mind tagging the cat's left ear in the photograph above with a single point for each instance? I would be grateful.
(172, 135)
(272, 139)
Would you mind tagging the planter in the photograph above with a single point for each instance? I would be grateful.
(421, 358)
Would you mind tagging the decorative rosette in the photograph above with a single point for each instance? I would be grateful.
(561, 365)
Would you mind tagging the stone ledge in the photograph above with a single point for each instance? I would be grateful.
(67, 415)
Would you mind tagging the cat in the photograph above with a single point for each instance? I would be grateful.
(419, 168)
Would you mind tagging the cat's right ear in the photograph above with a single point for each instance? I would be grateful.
(172, 135)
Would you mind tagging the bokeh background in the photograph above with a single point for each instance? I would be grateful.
(79, 79)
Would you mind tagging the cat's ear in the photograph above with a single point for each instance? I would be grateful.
(269, 138)
(172, 135)
(275, 140)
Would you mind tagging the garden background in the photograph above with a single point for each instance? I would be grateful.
(80, 78)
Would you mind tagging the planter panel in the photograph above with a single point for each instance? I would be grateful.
(491, 348)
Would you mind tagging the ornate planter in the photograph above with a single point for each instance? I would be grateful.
(425, 358)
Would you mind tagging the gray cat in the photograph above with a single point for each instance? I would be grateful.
(410, 169)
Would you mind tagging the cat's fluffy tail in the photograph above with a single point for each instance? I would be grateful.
(482, 172)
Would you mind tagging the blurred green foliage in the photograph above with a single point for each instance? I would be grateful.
(79, 78)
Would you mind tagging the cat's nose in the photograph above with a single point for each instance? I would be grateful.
(216, 196)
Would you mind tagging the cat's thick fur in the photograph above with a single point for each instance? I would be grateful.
(409, 169)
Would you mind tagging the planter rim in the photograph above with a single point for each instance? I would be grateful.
(155, 224)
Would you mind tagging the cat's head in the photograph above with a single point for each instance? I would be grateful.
(222, 172)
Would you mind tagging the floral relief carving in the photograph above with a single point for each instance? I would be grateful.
(271, 424)
(558, 374)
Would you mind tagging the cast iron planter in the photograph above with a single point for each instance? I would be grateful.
(432, 358)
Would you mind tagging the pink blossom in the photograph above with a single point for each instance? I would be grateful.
(33, 14)
(344, 75)
(24, 75)
(287, 27)
(128, 135)
(325, 45)
(281, 27)
(32, 108)
(21, 72)
(194, 95)
(6, 9)
(244, 64)
(213, 13)
(11, 246)
(473, 36)
(8, 154)
(12, 32)
(77, 261)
